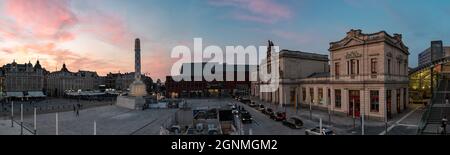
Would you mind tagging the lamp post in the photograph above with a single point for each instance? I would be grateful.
(56, 124)
(21, 119)
(329, 105)
(12, 113)
(35, 131)
(353, 114)
(362, 118)
(310, 110)
(385, 116)
(95, 127)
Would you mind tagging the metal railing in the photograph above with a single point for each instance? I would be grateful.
(437, 97)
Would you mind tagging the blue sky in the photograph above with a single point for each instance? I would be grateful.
(98, 34)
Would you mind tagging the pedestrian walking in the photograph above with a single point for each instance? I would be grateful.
(444, 125)
(78, 112)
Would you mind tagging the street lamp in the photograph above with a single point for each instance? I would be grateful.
(12, 113)
(329, 111)
(35, 131)
(21, 119)
(385, 116)
(353, 114)
(310, 110)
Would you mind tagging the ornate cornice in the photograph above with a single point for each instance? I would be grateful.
(353, 55)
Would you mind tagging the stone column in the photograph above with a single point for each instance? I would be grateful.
(137, 59)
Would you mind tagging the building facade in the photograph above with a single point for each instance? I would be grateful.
(434, 52)
(214, 88)
(63, 80)
(293, 65)
(2, 84)
(122, 81)
(21, 78)
(368, 76)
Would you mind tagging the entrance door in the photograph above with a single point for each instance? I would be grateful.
(389, 103)
(354, 103)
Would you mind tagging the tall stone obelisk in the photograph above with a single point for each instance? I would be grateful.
(137, 88)
(135, 98)
(137, 59)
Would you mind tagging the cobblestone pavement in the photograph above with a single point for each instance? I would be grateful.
(50, 105)
(6, 129)
(110, 120)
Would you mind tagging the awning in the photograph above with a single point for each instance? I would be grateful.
(36, 94)
(14, 94)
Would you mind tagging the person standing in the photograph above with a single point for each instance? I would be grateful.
(444, 125)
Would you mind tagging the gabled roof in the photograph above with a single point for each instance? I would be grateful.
(356, 37)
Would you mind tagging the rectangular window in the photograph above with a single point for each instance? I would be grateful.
(336, 69)
(321, 100)
(337, 100)
(389, 66)
(374, 101)
(373, 66)
(405, 71)
(352, 67)
(293, 96)
(348, 68)
(357, 67)
(304, 94)
(311, 95)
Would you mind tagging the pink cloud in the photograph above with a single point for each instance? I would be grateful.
(157, 62)
(42, 19)
(73, 60)
(263, 11)
(38, 26)
(107, 27)
(55, 20)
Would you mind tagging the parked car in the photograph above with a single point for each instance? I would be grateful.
(261, 108)
(245, 101)
(253, 104)
(200, 127)
(176, 129)
(246, 117)
(316, 131)
(293, 123)
(279, 116)
(268, 111)
(243, 111)
(190, 131)
(235, 112)
(230, 105)
(212, 129)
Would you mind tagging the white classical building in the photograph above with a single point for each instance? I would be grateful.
(368, 75)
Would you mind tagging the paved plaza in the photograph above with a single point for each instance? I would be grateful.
(113, 120)
(110, 120)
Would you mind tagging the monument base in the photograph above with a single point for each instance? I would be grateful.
(130, 102)
(138, 88)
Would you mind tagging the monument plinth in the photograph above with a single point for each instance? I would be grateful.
(138, 89)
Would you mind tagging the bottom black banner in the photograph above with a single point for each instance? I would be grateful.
(224, 144)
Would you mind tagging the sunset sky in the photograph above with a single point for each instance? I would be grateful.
(98, 35)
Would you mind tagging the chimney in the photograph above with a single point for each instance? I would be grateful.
(398, 36)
